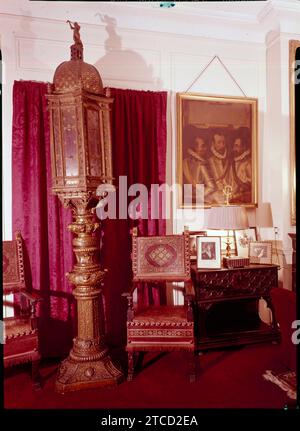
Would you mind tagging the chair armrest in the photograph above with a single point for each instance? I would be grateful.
(130, 310)
(189, 290)
(127, 295)
(189, 294)
(31, 296)
(33, 299)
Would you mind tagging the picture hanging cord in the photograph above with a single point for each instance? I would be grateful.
(201, 73)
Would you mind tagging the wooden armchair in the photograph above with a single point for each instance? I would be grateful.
(20, 330)
(157, 259)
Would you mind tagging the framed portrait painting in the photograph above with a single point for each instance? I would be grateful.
(216, 149)
(208, 252)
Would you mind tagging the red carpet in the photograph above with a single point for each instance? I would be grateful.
(226, 379)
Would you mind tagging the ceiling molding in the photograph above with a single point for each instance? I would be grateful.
(287, 5)
(250, 22)
(224, 32)
(263, 14)
(197, 9)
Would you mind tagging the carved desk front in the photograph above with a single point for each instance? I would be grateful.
(227, 305)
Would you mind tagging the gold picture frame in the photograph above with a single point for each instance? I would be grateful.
(293, 45)
(205, 124)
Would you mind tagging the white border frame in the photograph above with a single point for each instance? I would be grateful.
(209, 264)
(240, 250)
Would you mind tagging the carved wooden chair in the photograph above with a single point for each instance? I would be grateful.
(20, 330)
(157, 259)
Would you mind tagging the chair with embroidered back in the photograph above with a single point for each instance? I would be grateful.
(20, 329)
(157, 259)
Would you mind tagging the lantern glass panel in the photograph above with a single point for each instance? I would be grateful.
(57, 147)
(70, 142)
(94, 142)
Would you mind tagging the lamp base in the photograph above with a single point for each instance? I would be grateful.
(74, 375)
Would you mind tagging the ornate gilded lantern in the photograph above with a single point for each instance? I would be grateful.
(80, 132)
(81, 161)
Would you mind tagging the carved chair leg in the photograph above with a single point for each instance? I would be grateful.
(35, 374)
(192, 367)
(139, 360)
(131, 356)
(135, 360)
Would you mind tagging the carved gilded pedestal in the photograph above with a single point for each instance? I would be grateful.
(89, 364)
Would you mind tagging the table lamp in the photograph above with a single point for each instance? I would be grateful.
(264, 218)
(227, 217)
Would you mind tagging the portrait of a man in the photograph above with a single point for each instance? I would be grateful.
(217, 148)
(195, 165)
(241, 166)
(208, 251)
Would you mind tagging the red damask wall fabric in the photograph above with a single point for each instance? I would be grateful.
(139, 151)
(139, 136)
(40, 216)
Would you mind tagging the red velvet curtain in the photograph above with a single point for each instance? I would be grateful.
(139, 135)
(139, 151)
(40, 217)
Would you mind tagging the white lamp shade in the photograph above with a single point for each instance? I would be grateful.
(226, 217)
(264, 215)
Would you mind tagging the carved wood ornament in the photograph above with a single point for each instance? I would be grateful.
(81, 161)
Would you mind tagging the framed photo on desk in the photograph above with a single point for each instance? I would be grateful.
(193, 242)
(243, 237)
(208, 252)
(260, 252)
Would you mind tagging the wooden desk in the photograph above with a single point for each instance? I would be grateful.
(227, 305)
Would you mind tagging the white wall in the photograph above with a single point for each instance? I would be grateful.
(160, 53)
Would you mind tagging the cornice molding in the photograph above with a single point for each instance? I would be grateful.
(194, 9)
(164, 33)
(263, 14)
(251, 23)
(290, 5)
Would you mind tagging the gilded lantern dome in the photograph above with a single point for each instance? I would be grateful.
(76, 74)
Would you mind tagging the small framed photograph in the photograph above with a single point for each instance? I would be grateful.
(260, 252)
(208, 252)
(193, 244)
(243, 238)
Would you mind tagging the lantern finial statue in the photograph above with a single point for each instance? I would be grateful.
(76, 35)
(81, 161)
